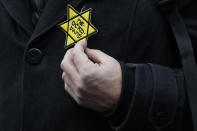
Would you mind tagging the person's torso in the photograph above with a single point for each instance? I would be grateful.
(32, 95)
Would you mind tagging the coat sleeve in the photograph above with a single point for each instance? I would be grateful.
(153, 98)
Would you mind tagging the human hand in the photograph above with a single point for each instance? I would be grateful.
(91, 77)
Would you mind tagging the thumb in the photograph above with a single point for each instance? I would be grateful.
(96, 56)
(81, 45)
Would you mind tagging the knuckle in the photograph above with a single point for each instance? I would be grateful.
(79, 100)
(80, 85)
(62, 64)
(65, 86)
(63, 75)
(80, 91)
(65, 66)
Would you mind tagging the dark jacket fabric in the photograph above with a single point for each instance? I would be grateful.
(37, 6)
(32, 95)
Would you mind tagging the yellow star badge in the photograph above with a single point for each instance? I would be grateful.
(78, 26)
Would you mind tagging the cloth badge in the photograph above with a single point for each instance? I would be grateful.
(78, 26)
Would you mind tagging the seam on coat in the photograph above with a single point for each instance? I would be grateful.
(22, 96)
(131, 22)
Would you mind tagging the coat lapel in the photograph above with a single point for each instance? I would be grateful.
(54, 13)
(19, 10)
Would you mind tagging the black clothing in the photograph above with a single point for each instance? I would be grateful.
(37, 9)
(32, 95)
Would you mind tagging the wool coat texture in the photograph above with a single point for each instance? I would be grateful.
(134, 32)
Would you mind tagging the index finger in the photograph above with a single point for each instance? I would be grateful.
(80, 59)
(68, 67)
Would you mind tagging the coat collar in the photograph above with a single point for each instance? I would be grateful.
(54, 13)
(19, 10)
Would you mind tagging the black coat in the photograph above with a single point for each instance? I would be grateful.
(32, 95)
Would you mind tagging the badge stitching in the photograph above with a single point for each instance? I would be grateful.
(66, 28)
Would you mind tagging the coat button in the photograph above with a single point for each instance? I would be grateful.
(34, 56)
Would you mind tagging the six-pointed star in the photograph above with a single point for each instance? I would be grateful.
(78, 26)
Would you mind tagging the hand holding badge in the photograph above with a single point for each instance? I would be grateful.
(91, 77)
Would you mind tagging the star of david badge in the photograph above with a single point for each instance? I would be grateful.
(78, 26)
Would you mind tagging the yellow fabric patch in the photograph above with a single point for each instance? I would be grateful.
(78, 26)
